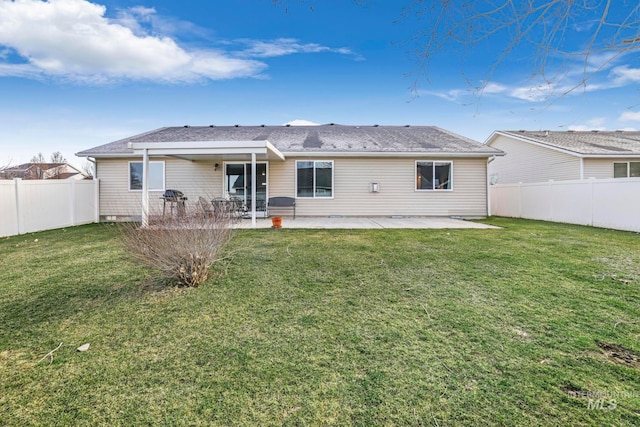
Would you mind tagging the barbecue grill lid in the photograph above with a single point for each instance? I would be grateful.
(173, 193)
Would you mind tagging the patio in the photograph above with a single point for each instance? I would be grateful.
(367, 223)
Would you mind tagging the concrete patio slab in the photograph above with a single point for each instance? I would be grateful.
(367, 223)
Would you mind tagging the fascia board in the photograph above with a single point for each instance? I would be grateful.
(387, 154)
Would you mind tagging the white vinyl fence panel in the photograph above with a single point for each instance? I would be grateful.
(608, 203)
(35, 205)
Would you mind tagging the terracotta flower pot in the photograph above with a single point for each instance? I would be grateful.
(276, 221)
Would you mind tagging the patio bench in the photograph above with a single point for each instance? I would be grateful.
(280, 203)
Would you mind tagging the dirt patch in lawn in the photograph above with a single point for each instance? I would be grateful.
(619, 354)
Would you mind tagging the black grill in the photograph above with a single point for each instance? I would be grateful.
(173, 197)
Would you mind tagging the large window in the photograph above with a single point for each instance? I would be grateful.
(434, 175)
(156, 176)
(626, 170)
(314, 178)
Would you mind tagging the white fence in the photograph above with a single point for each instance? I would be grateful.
(35, 205)
(609, 203)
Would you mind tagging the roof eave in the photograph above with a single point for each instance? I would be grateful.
(105, 155)
(390, 154)
(578, 154)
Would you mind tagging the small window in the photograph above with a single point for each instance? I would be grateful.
(314, 179)
(156, 176)
(620, 170)
(626, 170)
(432, 175)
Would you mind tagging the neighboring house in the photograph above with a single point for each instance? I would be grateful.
(331, 170)
(42, 171)
(535, 156)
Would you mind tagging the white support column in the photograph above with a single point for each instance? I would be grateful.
(254, 180)
(145, 187)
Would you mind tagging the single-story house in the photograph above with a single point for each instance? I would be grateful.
(537, 156)
(330, 170)
(41, 171)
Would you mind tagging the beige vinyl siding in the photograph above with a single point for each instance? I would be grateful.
(194, 179)
(397, 196)
(602, 168)
(526, 162)
(352, 179)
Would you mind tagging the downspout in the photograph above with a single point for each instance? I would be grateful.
(96, 196)
(581, 167)
(489, 160)
(145, 188)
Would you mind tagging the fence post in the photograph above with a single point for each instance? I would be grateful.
(16, 189)
(592, 184)
(550, 195)
(519, 200)
(72, 201)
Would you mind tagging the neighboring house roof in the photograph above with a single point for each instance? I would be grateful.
(309, 140)
(41, 171)
(581, 143)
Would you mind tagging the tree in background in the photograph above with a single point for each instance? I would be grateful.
(37, 167)
(57, 157)
(565, 36)
(87, 169)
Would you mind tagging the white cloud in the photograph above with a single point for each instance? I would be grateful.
(301, 122)
(453, 95)
(596, 123)
(630, 116)
(73, 39)
(286, 46)
(493, 88)
(624, 75)
(584, 128)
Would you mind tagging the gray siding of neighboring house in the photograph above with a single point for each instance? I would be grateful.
(526, 162)
(352, 195)
(602, 168)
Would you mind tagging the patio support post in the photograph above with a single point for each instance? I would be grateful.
(254, 180)
(145, 187)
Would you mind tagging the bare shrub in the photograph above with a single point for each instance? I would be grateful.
(182, 247)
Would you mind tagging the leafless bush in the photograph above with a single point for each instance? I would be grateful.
(183, 247)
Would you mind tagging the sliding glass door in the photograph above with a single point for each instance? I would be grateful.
(237, 183)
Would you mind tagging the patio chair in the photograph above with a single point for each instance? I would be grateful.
(207, 209)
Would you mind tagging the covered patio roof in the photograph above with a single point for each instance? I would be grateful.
(202, 150)
(206, 150)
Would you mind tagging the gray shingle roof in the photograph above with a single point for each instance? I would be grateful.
(607, 143)
(324, 138)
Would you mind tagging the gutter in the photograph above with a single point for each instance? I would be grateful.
(412, 154)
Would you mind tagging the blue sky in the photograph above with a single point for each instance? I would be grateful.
(75, 74)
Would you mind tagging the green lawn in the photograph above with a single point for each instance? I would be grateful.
(516, 326)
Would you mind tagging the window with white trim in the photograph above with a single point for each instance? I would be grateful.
(314, 178)
(156, 176)
(626, 169)
(434, 175)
